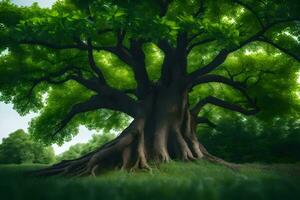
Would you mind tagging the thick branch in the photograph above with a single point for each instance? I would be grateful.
(180, 67)
(93, 65)
(218, 79)
(199, 43)
(139, 67)
(113, 102)
(122, 102)
(165, 76)
(221, 103)
(175, 59)
(204, 120)
(115, 97)
(192, 37)
(91, 84)
(218, 60)
(240, 86)
(92, 104)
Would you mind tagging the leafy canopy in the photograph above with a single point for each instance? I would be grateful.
(42, 47)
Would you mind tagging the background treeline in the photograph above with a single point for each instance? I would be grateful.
(81, 149)
(250, 139)
(19, 148)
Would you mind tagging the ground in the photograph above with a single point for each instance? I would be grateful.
(176, 180)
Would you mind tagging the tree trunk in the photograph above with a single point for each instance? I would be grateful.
(165, 130)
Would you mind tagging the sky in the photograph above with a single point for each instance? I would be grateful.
(42, 3)
(11, 121)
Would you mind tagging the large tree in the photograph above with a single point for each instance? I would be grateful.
(160, 62)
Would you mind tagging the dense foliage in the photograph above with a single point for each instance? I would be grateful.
(19, 148)
(241, 139)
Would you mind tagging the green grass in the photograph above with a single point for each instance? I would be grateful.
(200, 180)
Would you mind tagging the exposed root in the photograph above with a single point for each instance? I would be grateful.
(120, 150)
(139, 164)
(162, 156)
(94, 169)
(217, 160)
(129, 152)
(126, 155)
(196, 150)
(186, 153)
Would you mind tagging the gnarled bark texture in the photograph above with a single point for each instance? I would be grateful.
(163, 130)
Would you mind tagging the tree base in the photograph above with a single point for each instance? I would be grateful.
(165, 131)
(109, 158)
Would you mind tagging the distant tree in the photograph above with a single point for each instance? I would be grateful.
(250, 139)
(19, 148)
(161, 62)
(81, 149)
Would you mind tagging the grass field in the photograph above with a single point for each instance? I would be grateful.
(200, 180)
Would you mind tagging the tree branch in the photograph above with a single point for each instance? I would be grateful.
(221, 103)
(92, 104)
(164, 45)
(223, 54)
(51, 79)
(284, 50)
(204, 120)
(94, 84)
(91, 84)
(79, 46)
(139, 67)
(96, 102)
(190, 39)
(189, 49)
(175, 59)
(218, 60)
(218, 79)
(93, 65)
(180, 67)
(200, 9)
(240, 86)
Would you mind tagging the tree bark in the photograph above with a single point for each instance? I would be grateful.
(164, 131)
